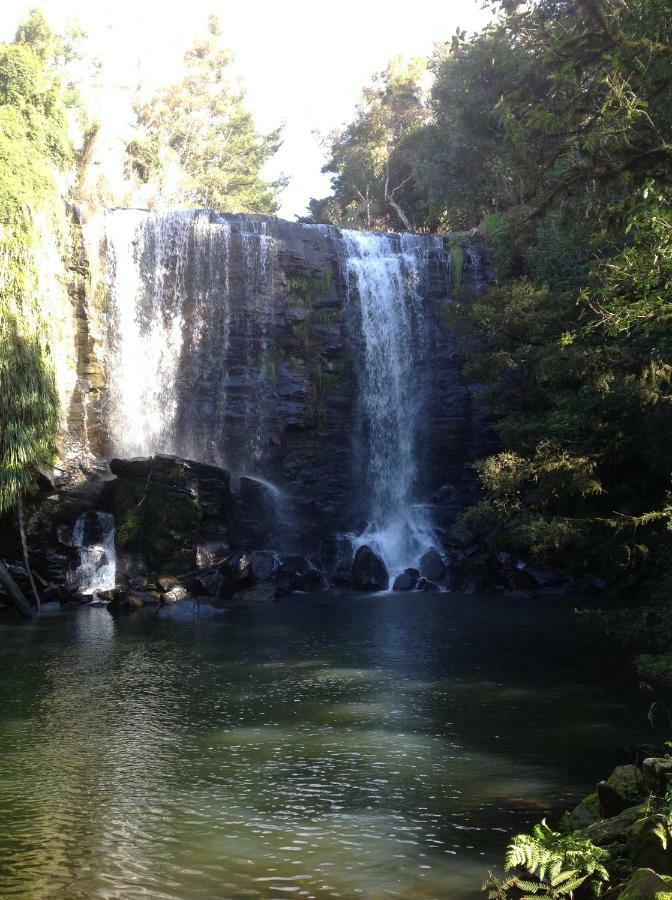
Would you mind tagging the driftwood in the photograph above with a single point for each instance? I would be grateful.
(15, 593)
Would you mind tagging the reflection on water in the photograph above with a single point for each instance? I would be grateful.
(320, 747)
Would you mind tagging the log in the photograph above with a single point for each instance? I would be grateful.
(15, 593)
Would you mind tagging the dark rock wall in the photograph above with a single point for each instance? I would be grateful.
(265, 382)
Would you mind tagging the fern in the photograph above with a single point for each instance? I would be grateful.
(547, 864)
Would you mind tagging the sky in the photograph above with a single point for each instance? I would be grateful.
(303, 63)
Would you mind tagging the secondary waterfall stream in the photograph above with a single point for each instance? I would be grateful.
(197, 336)
(386, 272)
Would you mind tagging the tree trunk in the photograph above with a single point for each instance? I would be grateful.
(402, 215)
(26, 558)
(15, 593)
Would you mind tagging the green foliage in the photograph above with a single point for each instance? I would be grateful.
(371, 158)
(34, 145)
(198, 133)
(549, 864)
(456, 264)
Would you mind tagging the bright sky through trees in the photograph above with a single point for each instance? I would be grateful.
(301, 62)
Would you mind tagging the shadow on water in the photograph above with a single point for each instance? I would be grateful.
(328, 746)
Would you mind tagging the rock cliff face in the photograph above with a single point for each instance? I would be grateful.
(237, 341)
(312, 364)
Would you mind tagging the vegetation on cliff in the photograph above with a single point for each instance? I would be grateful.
(552, 132)
(34, 153)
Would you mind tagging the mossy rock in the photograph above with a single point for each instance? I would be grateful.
(586, 813)
(620, 791)
(650, 843)
(614, 830)
(645, 884)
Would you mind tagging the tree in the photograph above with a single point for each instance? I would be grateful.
(373, 179)
(200, 143)
(34, 150)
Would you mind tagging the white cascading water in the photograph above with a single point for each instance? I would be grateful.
(145, 268)
(186, 355)
(385, 272)
(93, 537)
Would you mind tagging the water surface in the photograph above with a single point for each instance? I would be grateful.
(324, 746)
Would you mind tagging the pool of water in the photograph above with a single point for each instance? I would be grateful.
(324, 746)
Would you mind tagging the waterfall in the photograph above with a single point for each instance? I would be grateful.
(384, 280)
(189, 312)
(146, 270)
(295, 353)
(93, 537)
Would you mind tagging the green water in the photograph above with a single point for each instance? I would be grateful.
(331, 746)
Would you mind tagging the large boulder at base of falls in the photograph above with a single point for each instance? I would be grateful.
(431, 565)
(369, 572)
(165, 508)
(404, 582)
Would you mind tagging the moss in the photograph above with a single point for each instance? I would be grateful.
(327, 316)
(456, 264)
(308, 288)
(271, 363)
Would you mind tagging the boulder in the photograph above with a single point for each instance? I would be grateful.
(431, 565)
(647, 846)
(609, 831)
(657, 774)
(403, 582)
(212, 583)
(645, 884)
(369, 572)
(175, 594)
(131, 601)
(264, 564)
(166, 583)
(260, 593)
(165, 507)
(586, 813)
(620, 791)
(345, 554)
(429, 587)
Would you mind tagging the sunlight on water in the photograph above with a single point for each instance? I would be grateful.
(299, 750)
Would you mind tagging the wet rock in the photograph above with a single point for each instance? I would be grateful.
(261, 593)
(176, 594)
(165, 507)
(257, 511)
(620, 791)
(264, 564)
(345, 554)
(428, 586)
(369, 572)
(131, 601)
(166, 583)
(298, 573)
(431, 565)
(404, 582)
(645, 884)
(657, 775)
(212, 583)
